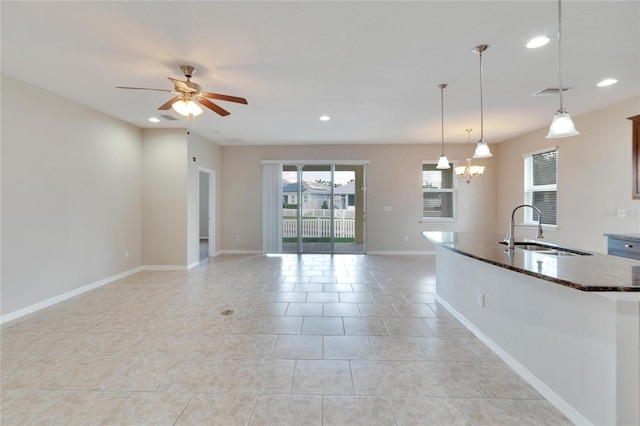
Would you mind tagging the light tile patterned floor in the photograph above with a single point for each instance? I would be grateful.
(313, 340)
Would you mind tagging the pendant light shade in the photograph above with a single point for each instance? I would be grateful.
(443, 162)
(562, 126)
(482, 148)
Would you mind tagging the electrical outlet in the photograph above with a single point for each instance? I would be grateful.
(622, 214)
(406, 238)
(387, 209)
(481, 299)
(237, 237)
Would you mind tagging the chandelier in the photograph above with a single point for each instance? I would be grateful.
(468, 172)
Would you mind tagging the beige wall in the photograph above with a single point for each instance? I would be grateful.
(79, 188)
(594, 178)
(71, 190)
(393, 179)
(164, 197)
(170, 195)
(207, 156)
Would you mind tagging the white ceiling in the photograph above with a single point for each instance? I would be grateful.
(374, 67)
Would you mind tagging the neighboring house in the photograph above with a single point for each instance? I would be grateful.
(345, 196)
(315, 195)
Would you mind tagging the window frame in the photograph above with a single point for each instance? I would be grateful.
(453, 190)
(529, 188)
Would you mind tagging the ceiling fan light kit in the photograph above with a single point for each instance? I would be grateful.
(190, 94)
(186, 108)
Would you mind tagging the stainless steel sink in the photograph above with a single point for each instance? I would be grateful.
(547, 249)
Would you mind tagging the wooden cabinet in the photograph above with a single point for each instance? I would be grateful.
(635, 171)
(624, 245)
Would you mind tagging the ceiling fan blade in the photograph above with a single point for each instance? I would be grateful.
(182, 86)
(167, 105)
(213, 107)
(225, 97)
(143, 88)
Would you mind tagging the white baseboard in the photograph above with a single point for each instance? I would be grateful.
(239, 252)
(571, 413)
(68, 295)
(402, 252)
(164, 268)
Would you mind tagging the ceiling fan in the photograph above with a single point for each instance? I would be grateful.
(189, 93)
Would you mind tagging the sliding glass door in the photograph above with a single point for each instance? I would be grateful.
(323, 208)
(349, 218)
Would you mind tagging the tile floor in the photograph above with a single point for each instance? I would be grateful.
(313, 340)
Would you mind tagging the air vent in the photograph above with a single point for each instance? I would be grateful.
(169, 117)
(551, 91)
(233, 141)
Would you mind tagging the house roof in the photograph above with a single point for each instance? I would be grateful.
(308, 187)
(347, 188)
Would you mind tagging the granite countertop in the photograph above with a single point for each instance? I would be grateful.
(628, 237)
(598, 272)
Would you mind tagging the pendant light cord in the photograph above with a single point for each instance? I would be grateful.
(481, 100)
(560, 53)
(442, 86)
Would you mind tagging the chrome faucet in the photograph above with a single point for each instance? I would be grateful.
(510, 239)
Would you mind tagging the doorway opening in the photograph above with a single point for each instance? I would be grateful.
(206, 227)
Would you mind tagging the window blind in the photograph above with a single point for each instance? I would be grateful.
(541, 186)
(438, 192)
(272, 208)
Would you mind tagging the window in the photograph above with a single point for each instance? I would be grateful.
(439, 192)
(541, 185)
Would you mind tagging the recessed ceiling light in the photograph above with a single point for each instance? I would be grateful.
(325, 118)
(607, 82)
(154, 120)
(538, 42)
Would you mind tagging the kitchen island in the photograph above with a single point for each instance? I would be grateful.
(570, 325)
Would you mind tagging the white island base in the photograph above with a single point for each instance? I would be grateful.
(579, 349)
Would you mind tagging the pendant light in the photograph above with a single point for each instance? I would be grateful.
(443, 162)
(482, 149)
(562, 126)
